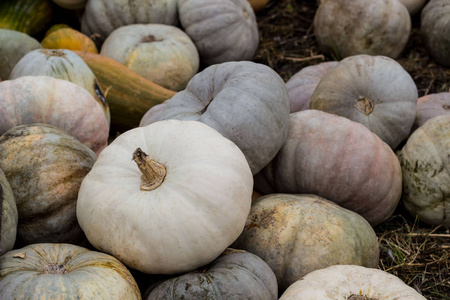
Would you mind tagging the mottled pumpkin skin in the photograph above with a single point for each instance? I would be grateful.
(61, 64)
(64, 271)
(349, 27)
(163, 54)
(302, 84)
(337, 159)
(236, 274)
(348, 282)
(297, 234)
(425, 161)
(434, 30)
(245, 101)
(375, 91)
(222, 30)
(45, 166)
(58, 102)
(8, 215)
(13, 46)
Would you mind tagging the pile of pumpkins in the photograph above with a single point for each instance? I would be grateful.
(170, 156)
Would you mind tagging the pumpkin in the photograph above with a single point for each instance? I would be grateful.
(297, 234)
(64, 271)
(258, 5)
(372, 90)
(425, 161)
(68, 38)
(222, 30)
(192, 183)
(413, 6)
(71, 4)
(350, 282)
(13, 46)
(235, 274)
(61, 64)
(350, 27)
(245, 101)
(45, 166)
(302, 84)
(8, 215)
(434, 22)
(27, 16)
(430, 106)
(129, 95)
(153, 114)
(101, 17)
(163, 54)
(55, 27)
(338, 159)
(58, 102)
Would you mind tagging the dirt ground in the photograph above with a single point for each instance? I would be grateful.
(417, 253)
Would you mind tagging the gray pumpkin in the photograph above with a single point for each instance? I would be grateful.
(245, 101)
(8, 215)
(236, 274)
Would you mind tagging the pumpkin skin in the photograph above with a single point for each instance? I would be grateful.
(152, 115)
(71, 4)
(163, 54)
(425, 161)
(258, 5)
(13, 46)
(302, 84)
(101, 17)
(372, 90)
(197, 211)
(8, 215)
(297, 234)
(430, 106)
(245, 101)
(235, 274)
(434, 30)
(339, 160)
(222, 30)
(413, 6)
(380, 27)
(58, 102)
(61, 64)
(45, 166)
(64, 271)
(68, 38)
(27, 16)
(350, 282)
(128, 94)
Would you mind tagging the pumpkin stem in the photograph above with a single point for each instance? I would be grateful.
(55, 269)
(153, 173)
(359, 297)
(364, 105)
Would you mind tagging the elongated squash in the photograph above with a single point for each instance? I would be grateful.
(128, 94)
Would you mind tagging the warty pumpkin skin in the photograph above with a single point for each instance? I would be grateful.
(58, 102)
(45, 166)
(61, 64)
(245, 101)
(372, 90)
(235, 274)
(338, 159)
(66, 272)
(296, 234)
(222, 30)
(163, 54)
(101, 17)
(197, 207)
(8, 215)
(434, 30)
(425, 161)
(350, 282)
(350, 27)
(13, 46)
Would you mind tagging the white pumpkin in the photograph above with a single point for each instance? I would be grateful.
(198, 206)
(350, 282)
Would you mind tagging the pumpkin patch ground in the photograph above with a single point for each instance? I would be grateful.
(417, 253)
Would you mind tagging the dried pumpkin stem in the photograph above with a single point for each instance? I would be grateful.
(55, 269)
(153, 173)
(364, 105)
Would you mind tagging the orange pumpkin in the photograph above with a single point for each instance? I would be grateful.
(68, 38)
